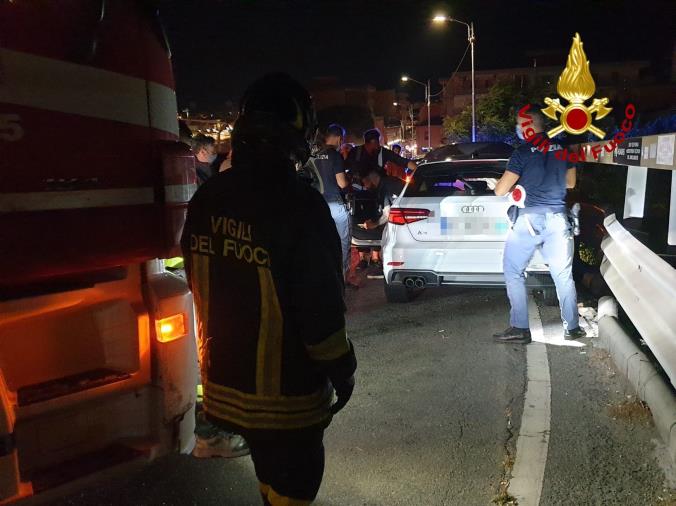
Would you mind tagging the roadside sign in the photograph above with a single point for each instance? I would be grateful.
(628, 153)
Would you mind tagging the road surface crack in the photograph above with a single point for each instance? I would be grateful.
(503, 498)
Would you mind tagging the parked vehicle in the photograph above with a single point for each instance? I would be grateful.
(449, 228)
(98, 364)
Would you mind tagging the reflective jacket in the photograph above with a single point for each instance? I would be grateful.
(263, 259)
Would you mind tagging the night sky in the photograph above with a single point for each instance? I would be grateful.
(221, 46)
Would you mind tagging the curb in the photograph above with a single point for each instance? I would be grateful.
(641, 374)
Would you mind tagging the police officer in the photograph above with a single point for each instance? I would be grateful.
(543, 224)
(331, 173)
(271, 322)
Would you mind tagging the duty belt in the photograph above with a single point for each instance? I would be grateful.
(332, 200)
(542, 210)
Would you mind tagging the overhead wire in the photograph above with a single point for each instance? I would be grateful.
(462, 59)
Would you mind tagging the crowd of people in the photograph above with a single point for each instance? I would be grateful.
(341, 172)
(345, 173)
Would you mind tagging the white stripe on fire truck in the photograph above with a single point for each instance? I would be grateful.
(162, 108)
(56, 85)
(179, 192)
(78, 199)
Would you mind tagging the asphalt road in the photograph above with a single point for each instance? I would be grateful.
(435, 418)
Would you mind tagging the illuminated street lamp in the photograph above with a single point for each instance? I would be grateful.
(440, 18)
(428, 99)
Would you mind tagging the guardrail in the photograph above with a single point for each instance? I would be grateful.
(649, 151)
(645, 287)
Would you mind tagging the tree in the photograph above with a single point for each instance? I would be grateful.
(459, 127)
(496, 112)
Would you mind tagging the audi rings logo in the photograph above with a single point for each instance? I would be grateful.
(472, 209)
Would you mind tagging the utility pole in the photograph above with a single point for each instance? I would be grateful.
(428, 99)
(470, 37)
(429, 119)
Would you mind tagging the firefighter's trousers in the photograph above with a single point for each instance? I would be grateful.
(289, 464)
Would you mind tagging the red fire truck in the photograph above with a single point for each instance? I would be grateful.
(98, 364)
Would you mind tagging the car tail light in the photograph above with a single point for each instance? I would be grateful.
(171, 328)
(395, 264)
(403, 215)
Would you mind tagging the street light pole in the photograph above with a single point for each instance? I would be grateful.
(440, 18)
(429, 120)
(402, 123)
(470, 37)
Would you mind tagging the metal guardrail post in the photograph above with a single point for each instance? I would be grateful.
(671, 232)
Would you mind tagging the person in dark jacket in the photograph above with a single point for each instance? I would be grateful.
(363, 161)
(271, 318)
(385, 189)
(372, 155)
(206, 157)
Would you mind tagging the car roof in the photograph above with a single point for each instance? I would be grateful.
(487, 165)
(470, 151)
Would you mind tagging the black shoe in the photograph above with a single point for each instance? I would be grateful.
(513, 335)
(576, 333)
(363, 264)
(375, 271)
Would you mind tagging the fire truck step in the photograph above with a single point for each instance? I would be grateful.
(40, 392)
(82, 466)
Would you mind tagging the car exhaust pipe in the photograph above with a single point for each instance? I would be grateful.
(409, 282)
(419, 283)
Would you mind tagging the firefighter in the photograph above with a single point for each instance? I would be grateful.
(271, 319)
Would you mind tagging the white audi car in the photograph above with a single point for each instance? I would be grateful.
(449, 228)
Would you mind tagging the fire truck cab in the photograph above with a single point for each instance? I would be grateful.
(98, 365)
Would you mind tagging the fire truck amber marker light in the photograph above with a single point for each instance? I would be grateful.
(171, 328)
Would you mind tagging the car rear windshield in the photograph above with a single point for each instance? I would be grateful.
(458, 179)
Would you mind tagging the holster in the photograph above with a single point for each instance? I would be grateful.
(512, 215)
(574, 218)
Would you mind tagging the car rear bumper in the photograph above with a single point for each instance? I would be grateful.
(431, 278)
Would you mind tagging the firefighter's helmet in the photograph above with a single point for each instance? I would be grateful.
(278, 111)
